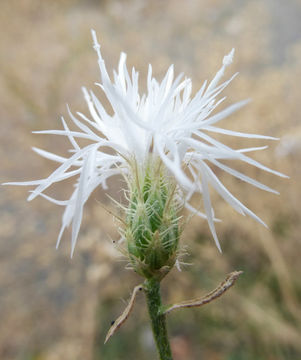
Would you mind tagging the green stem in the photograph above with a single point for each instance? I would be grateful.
(158, 320)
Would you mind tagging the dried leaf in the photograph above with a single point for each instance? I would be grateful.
(223, 287)
(123, 317)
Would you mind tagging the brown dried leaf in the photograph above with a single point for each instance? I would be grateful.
(223, 287)
(123, 317)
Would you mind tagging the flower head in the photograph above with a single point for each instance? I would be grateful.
(167, 124)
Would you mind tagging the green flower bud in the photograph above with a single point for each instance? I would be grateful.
(152, 224)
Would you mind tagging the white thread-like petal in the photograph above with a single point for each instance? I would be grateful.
(208, 208)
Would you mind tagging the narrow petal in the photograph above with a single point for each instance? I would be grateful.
(243, 177)
(62, 177)
(70, 133)
(70, 137)
(236, 133)
(240, 155)
(88, 164)
(227, 196)
(55, 201)
(226, 62)
(224, 113)
(49, 155)
(208, 208)
(59, 172)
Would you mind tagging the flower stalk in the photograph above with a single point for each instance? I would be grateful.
(158, 318)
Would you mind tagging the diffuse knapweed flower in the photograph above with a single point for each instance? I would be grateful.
(166, 129)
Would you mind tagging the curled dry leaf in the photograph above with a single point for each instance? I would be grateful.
(123, 317)
(223, 287)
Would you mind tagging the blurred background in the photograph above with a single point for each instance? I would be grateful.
(54, 308)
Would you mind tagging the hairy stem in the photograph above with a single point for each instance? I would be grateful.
(158, 319)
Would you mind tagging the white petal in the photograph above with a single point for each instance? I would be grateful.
(88, 165)
(49, 155)
(101, 111)
(70, 133)
(226, 62)
(67, 216)
(243, 177)
(59, 171)
(81, 126)
(70, 137)
(225, 193)
(101, 63)
(62, 177)
(239, 155)
(208, 208)
(55, 201)
(224, 113)
(172, 166)
(235, 133)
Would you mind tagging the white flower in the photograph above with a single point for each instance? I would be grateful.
(167, 122)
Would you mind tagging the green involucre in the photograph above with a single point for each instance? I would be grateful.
(152, 225)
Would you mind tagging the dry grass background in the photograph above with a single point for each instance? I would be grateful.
(54, 308)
